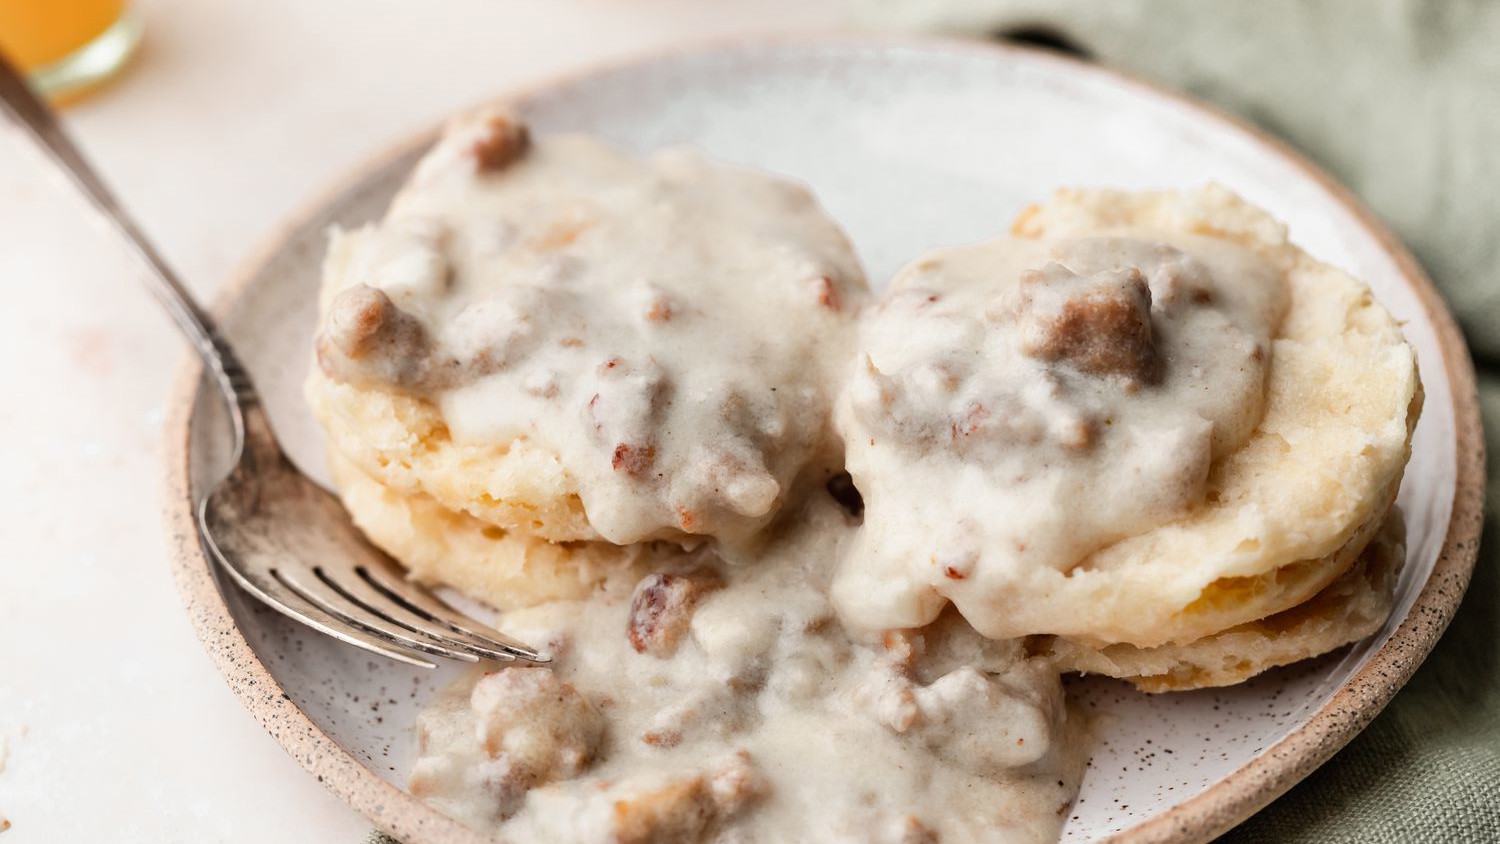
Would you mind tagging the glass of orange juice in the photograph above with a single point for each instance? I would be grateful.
(68, 46)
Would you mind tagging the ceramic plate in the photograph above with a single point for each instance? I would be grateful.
(910, 145)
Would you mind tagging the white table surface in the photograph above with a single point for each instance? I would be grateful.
(114, 726)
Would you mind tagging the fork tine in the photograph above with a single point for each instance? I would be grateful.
(282, 599)
(367, 595)
(336, 595)
(306, 583)
(384, 576)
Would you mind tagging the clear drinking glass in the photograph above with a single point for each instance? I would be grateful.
(68, 46)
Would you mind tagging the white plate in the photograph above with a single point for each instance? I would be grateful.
(910, 145)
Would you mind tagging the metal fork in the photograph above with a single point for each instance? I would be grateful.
(284, 539)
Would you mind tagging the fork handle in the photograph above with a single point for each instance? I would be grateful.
(39, 121)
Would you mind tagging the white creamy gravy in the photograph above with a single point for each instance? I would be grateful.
(676, 332)
(757, 720)
(671, 327)
(1019, 404)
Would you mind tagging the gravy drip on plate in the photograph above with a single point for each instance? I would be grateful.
(725, 703)
(1020, 404)
(670, 327)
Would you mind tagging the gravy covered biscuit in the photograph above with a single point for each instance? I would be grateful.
(1140, 419)
(569, 342)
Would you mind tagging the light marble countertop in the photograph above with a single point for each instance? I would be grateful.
(114, 726)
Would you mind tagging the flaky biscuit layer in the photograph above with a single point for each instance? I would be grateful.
(502, 568)
(1350, 608)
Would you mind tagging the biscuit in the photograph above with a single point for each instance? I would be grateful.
(560, 339)
(1353, 606)
(1286, 504)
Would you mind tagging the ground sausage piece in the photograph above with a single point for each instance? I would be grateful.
(366, 339)
(633, 460)
(499, 139)
(827, 293)
(888, 692)
(902, 648)
(1099, 323)
(660, 311)
(657, 305)
(623, 415)
(662, 609)
(536, 727)
(689, 810)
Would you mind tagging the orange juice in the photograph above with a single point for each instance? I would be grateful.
(35, 33)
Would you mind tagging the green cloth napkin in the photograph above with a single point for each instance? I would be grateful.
(1400, 100)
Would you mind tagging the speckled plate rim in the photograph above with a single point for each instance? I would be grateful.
(1228, 802)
